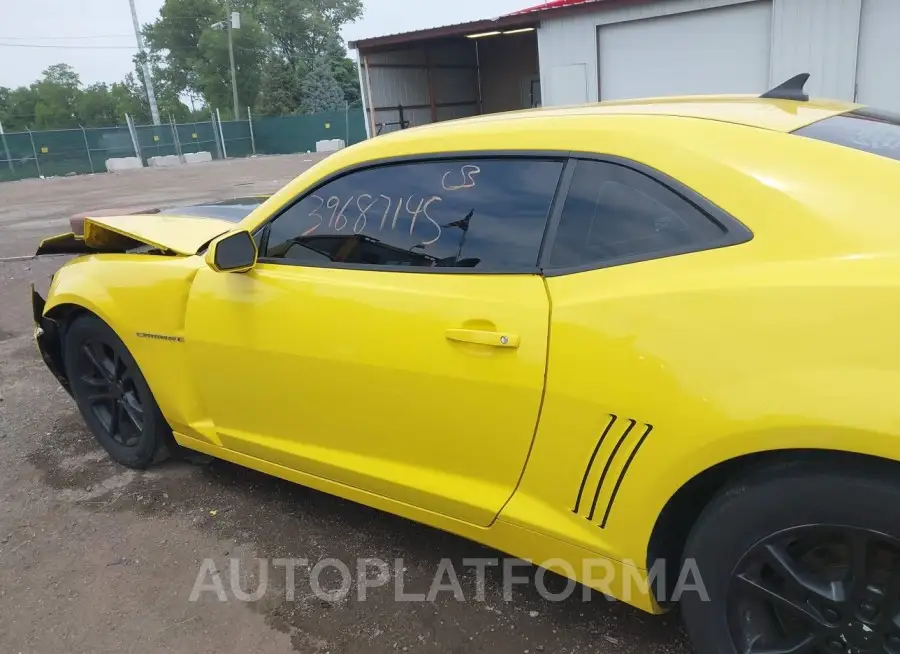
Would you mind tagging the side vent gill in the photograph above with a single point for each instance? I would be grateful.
(619, 443)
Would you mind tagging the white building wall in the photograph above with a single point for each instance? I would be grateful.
(819, 37)
(568, 45)
(719, 50)
(816, 36)
(878, 80)
(567, 48)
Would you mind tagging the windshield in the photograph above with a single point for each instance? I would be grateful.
(234, 210)
(869, 130)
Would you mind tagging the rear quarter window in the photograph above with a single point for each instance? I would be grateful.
(868, 130)
(614, 214)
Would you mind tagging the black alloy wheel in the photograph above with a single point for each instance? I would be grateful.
(106, 384)
(798, 557)
(113, 395)
(817, 590)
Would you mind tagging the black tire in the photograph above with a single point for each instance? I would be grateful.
(113, 395)
(826, 539)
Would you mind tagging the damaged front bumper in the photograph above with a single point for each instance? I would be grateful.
(48, 338)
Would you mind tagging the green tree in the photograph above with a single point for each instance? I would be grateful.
(96, 107)
(129, 97)
(346, 72)
(174, 38)
(280, 88)
(58, 100)
(59, 92)
(305, 29)
(214, 69)
(168, 98)
(20, 108)
(320, 90)
(189, 51)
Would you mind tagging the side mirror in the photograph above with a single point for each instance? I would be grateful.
(235, 252)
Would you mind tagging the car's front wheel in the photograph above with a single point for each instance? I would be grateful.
(801, 560)
(113, 395)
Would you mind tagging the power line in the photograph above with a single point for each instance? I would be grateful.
(67, 38)
(133, 48)
(107, 47)
(68, 47)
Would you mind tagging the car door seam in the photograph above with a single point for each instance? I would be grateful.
(537, 423)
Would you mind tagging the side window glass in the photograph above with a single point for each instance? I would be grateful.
(613, 213)
(483, 214)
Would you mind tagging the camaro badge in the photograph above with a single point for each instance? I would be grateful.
(161, 337)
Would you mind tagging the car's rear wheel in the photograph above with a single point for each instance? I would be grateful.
(113, 395)
(800, 561)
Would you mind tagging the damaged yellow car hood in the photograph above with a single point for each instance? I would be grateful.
(181, 230)
(179, 234)
(184, 235)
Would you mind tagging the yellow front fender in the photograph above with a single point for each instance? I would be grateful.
(143, 299)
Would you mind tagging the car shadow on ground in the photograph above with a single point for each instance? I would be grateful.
(276, 519)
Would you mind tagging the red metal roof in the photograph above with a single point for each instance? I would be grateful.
(550, 4)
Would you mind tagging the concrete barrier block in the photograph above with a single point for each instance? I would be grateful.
(332, 145)
(123, 163)
(167, 161)
(197, 157)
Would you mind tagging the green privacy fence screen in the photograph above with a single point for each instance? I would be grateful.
(287, 134)
(51, 153)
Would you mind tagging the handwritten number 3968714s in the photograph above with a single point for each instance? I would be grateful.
(336, 218)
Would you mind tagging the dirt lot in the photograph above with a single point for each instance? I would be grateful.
(98, 558)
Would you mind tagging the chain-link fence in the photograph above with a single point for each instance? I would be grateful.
(51, 153)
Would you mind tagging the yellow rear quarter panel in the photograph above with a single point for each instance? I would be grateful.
(720, 364)
(786, 342)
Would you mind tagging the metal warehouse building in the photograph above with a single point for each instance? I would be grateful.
(576, 51)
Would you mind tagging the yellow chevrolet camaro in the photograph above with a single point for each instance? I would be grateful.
(652, 346)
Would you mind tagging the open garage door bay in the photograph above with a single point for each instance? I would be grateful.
(428, 82)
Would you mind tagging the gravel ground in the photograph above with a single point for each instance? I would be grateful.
(98, 558)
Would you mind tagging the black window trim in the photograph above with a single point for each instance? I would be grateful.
(736, 233)
(531, 155)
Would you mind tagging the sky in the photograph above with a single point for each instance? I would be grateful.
(87, 25)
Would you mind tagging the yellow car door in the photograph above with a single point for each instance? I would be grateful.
(393, 336)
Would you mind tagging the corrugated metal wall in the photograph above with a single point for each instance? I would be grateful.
(819, 37)
(401, 77)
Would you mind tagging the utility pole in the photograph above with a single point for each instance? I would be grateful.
(234, 22)
(148, 81)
